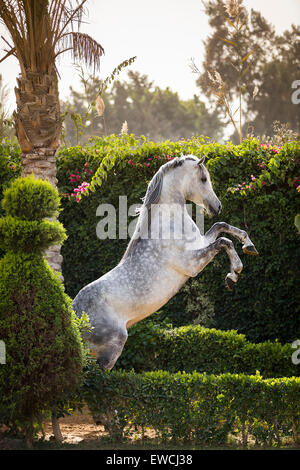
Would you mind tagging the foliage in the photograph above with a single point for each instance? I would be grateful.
(152, 346)
(83, 120)
(241, 60)
(149, 110)
(144, 344)
(264, 304)
(10, 167)
(42, 30)
(194, 407)
(276, 61)
(46, 200)
(262, 199)
(43, 345)
(5, 119)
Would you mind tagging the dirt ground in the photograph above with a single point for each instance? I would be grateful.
(77, 428)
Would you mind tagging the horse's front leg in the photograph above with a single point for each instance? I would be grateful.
(192, 262)
(248, 247)
(236, 265)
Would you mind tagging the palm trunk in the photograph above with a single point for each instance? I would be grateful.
(38, 128)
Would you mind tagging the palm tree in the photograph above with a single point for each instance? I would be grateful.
(41, 30)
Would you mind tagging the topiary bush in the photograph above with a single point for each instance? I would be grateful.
(43, 345)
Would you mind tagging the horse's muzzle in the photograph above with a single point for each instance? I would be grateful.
(213, 211)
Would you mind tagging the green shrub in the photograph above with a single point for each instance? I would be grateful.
(195, 407)
(10, 168)
(265, 302)
(151, 346)
(43, 344)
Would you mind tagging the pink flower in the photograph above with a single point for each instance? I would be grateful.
(150, 159)
(147, 164)
(169, 157)
(264, 182)
(129, 162)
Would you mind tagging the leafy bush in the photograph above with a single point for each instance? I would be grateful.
(265, 302)
(43, 345)
(256, 185)
(150, 346)
(198, 407)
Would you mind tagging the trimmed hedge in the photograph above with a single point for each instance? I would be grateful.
(265, 302)
(194, 348)
(195, 407)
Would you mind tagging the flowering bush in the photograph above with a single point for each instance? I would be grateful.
(77, 176)
(265, 303)
(267, 171)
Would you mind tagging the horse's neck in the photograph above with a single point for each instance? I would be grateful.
(171, 216)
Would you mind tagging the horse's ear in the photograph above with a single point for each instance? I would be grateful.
(201, 160)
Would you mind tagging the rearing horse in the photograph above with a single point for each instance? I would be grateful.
(165, 250)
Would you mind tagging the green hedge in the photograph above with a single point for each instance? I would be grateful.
(151, 346)
(265, 302)
(195, 407)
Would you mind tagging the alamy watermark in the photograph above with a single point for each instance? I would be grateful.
(2, 352)
(296, 354)
(296, 94)
(162, 221)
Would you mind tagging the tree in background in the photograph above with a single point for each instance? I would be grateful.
(5, 119)
(148, 110)
(273, 66)
(273, 102)
(41, 30)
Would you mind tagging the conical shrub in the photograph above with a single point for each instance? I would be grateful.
(43, 345)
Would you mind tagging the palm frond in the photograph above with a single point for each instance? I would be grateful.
(42, 29)
(83, 47)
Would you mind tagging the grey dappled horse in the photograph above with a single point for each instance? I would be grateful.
(165, 250)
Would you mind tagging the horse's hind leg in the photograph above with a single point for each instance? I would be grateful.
(108, 347)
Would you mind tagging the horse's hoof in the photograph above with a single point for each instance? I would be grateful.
(250, 250)
(229, 283)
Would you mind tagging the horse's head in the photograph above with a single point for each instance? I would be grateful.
(198, 186)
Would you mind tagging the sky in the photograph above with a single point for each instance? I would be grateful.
(163, 34)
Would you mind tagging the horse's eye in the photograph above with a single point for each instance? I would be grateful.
(204, 179)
